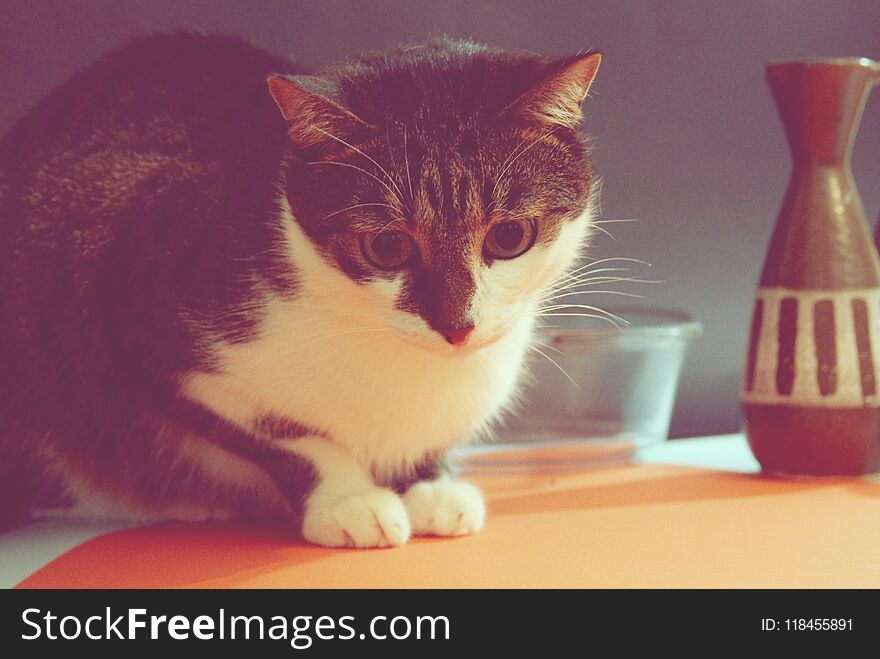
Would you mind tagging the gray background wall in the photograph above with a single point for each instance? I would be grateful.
(687, 138)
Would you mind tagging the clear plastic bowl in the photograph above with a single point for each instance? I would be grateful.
(619, 385)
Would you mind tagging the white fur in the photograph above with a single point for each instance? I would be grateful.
(347, 508)
(444, 507)
(379, 383)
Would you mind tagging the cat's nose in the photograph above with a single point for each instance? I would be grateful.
(457, 335)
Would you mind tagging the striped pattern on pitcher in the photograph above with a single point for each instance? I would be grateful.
(814, 348)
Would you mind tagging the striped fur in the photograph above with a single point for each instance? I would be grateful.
(189, 325)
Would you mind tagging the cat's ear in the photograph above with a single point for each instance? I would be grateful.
(557, 98)
(313, 119)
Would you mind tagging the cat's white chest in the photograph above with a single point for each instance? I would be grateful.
(327, 358)
(389, 403)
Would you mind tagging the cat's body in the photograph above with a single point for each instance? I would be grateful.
(191, 324)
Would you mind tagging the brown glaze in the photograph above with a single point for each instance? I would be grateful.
(809, 390)
(821, 240)
(820, 442)
(877, 233)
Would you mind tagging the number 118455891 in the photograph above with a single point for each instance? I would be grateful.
(806, 624)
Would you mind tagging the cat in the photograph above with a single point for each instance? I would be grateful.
(233, 289)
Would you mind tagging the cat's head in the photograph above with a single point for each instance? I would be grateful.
(448, 182)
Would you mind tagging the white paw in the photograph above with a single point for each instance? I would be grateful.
(444, 507)
(375, 518)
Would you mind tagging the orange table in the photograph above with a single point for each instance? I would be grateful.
(630, 525)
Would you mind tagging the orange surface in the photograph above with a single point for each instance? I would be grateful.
(624, 526)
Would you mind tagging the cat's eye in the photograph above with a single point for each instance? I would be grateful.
(388, 250)
(511, 238)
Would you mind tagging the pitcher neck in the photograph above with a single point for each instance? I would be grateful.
(820, 103)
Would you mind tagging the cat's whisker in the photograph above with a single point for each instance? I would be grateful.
(360, 169)
(582, 287)
(600, 185)
(559, 290)
(511, 162)
(582, 315)
(387, 224)
(506, 160)
(553, 361)
(616, 221)
(564, 295)
(406, 160)
(563, 284)
(595, 281)
(495, 204)
(592, 281)
(348, 208)
(492, 207)
(588, 307)
(577, 293)
(357, 150)
(603, 230)
(583, 271)
(579, 274)
(533, 143)
(610, 259)
(549, 347)
(396, 164)
(577, 279)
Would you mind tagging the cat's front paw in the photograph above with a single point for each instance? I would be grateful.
(375, 518)
(444, 507)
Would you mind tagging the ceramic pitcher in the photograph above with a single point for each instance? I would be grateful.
(811, 387)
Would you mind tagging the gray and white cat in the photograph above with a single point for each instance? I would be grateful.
(213, 305)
